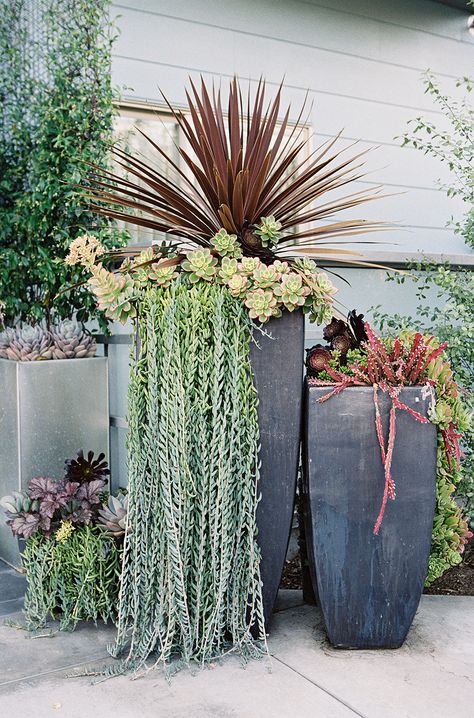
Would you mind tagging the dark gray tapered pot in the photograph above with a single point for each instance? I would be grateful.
(369, 586)
(277, 367)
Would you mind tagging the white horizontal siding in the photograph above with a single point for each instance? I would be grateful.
(201, 47)
(362, 62)
(317, 28)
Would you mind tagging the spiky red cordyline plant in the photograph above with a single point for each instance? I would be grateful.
(404, 365)
(244, 165)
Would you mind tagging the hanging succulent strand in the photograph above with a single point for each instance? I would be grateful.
(75, 579)
(191, 586)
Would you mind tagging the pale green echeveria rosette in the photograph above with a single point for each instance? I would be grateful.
(228, 268)
(262, 305)
(265, 276)
(269, 231)
(200, 264)
(281, 267)
(248, 265)
(306, 266)
(318, 303)
(226, 245)
(116, 294)
(139, 268)
(162, 276)
(291, 291)
(238, 285)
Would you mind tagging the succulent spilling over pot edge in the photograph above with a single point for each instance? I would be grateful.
(73, 531)
(265, 289)
(244, 218)
(388, 364)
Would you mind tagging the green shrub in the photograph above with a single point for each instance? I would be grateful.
(57, 113)
(450, 318)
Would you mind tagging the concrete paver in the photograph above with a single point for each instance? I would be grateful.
(430, 677)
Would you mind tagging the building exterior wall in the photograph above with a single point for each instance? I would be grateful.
(361, 61)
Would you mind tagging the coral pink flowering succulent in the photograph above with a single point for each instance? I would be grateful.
(389, 368)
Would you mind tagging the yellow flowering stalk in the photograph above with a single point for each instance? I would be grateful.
(64, 531)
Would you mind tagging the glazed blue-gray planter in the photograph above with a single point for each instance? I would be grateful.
(368, 586)
(277, 364)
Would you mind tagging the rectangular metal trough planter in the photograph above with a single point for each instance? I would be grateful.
(368, 586)
(48, 411)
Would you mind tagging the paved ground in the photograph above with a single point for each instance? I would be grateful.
(431, 676)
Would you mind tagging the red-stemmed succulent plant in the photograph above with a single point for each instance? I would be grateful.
(387, 366)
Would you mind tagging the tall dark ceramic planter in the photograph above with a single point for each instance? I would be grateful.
(369, 586)
(277, 366)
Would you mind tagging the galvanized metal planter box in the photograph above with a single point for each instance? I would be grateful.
(48, 411)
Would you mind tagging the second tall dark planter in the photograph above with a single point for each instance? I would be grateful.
(368, 586)
(277, 365)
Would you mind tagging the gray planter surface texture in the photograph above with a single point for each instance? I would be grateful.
(48, 411)
(368, 586)
(277, 364)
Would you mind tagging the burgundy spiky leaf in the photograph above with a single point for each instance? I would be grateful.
(375, 344)
(431, 356)
(397, 349)
(451, 444)
(242, 165)
(414, 352)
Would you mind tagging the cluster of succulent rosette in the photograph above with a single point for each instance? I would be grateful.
(266, 289)
(66, 340)
(55, 507)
